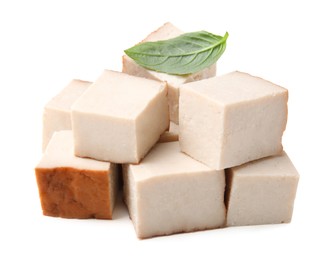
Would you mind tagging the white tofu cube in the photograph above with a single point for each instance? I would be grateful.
(73, 187)
(233, 119)
(119, 118)
(166, 32)
(261, 192)
(169, 192)
(57, 112)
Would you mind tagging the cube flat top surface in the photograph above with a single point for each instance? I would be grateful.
(118, 95)
(165, 159)
(234, 87)
(59, 153)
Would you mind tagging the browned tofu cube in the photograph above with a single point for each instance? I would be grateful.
(72, 187)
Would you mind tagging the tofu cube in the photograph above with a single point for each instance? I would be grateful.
(261, 192)
(57, 112)
(169, 192)
(119, 118)
(166, 32)
(171, 135)
(73, 187)
(233, 119)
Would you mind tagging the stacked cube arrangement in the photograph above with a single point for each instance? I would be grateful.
(196, 152)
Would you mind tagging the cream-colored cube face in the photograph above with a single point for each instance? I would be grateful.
(166, 32)
(253, 130)
(57, 112)
(261, 192)
(230, 120)
(169, 192)
(119, 118)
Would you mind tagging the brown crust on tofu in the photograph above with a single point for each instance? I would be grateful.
(74, 193)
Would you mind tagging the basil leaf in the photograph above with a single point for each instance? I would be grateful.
(185, 54)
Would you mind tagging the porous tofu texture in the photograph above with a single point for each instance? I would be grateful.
(166, 32)
(72, 187)
(119, 118)
(261, 192)
(57, 112)
(232, 119)
(169, 192)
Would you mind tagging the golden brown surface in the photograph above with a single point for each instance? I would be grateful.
(74, 193)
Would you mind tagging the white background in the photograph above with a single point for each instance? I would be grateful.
(44, 44)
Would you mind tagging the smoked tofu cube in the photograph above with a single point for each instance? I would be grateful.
(171, 135)
(169, 192)
(73, 187)
(166, 32)
(119, 118)
(261, 192)
(233, 119)
(57, 112)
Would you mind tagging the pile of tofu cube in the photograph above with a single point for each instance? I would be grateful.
(192, 152)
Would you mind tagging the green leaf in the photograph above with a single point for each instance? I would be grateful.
(185, 54)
